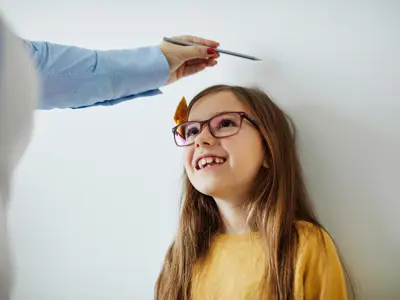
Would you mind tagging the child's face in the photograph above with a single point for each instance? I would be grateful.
(243, 152)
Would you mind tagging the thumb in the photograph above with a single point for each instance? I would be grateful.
(193, 52)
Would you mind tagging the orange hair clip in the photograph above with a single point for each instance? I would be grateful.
(181, 112)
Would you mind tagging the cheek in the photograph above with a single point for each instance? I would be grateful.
(246, 153)
(187, 158)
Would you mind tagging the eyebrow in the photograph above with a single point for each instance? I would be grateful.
(213, 115)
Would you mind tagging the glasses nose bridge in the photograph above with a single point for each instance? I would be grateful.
(202, 125)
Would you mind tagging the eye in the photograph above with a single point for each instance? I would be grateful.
(192, 131)
(226, 123)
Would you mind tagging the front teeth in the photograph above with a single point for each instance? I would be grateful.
(208, 160)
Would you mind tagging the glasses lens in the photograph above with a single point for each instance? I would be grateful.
(225, 124)
(222, 125)
(186, 132)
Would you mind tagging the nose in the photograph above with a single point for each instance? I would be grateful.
(204, 138)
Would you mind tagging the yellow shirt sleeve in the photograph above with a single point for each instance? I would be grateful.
(319, 274)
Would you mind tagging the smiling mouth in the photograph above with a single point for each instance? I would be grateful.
(207, 162)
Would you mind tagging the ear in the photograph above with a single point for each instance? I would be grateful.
(266, 164)
(267, 157)
(267, 160)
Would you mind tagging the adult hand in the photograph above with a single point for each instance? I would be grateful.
(189, 60)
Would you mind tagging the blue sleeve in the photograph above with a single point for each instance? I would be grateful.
(74, 77)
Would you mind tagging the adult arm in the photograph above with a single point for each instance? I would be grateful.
(74, 77)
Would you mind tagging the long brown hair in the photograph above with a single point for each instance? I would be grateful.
(279, 199)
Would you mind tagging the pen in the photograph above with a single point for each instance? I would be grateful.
(182, 43)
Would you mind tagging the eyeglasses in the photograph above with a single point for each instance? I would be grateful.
(222, 125)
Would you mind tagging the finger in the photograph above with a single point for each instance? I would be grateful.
(212, 63)
(199, 61)
(181, 72)
(197, 52)
(190, 70)
(198, 40)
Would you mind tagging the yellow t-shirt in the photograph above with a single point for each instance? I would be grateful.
(235, 266)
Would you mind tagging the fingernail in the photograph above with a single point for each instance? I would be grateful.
(211, 51)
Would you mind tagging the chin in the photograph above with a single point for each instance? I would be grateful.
(208, 183)
(211, 189)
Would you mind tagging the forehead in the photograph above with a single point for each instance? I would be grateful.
(215, 103)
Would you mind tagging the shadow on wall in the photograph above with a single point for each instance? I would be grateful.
(351, 171)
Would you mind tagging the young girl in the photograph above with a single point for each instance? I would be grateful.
(247, 229)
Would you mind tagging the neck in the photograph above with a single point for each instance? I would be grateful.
(233, 217)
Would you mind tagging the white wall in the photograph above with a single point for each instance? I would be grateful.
(95, 208)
